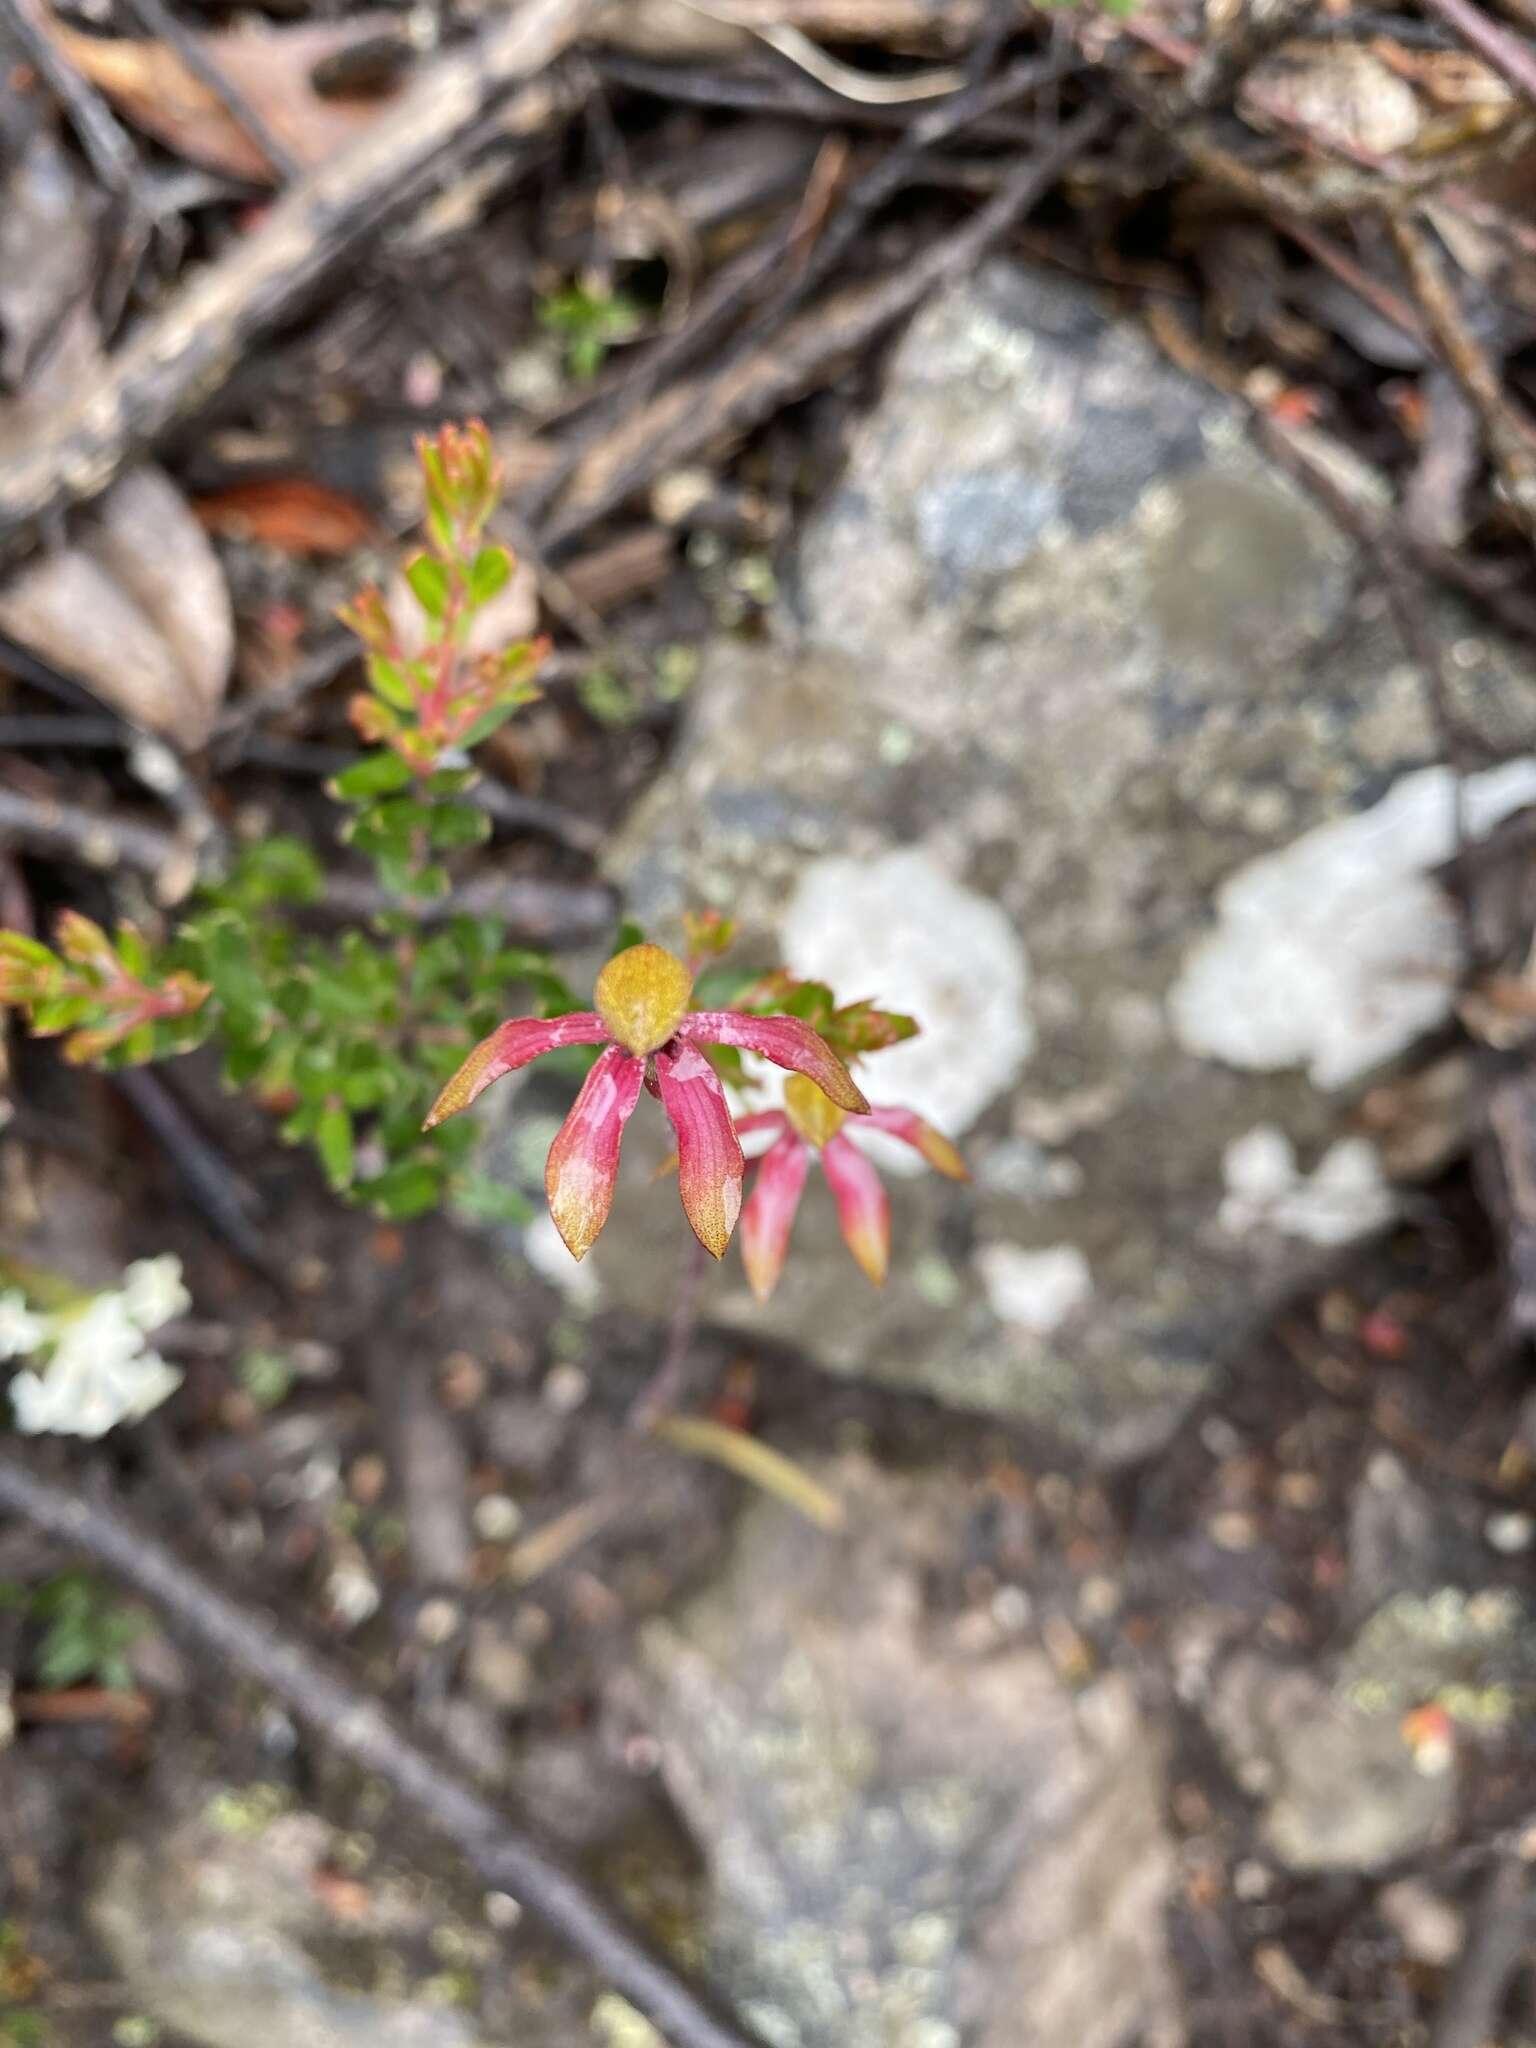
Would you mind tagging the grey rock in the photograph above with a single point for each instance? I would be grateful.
(1061, 666)
(1474, 1653)
(1405, 1538)
(217, 1927)
(1339, 1786)
(916, 1834)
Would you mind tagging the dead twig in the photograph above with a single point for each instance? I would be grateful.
(1502, 1923)
(43, 825)
(1498, 48)
(789, 97)
(1511, 441)
(694, 415)
(659, 1395)
(504, 1853)
(102, 136)
(187, 352)
(545, 909)
(1214, 77)
(896, 168)
(221, 1195)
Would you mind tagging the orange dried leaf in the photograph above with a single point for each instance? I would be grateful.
(289, 513)
(271, 68)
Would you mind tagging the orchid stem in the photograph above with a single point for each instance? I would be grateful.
(659, 1395)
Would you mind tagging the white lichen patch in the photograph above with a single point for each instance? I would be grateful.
(1346, 1196)
(900, 930)
(1338, 951)
(1035, 1290)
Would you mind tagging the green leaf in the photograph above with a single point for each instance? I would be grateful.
(139, 1047)
(483, 1200)
(293, 1130)
(489, 573)
(280, 870)
(488, 722)
(628, 934)
(133, 951)
(62, 1013)
(333, 1142)
(429, 882)
(231, 967)
(392, 683)
(409, 1188)
(18, 946)
(374, 775)
(242, 1063)
(429, 583)
(453, 825)
(718, 987)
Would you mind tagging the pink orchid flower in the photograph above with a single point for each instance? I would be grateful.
(809, 1123)
(651, 1039)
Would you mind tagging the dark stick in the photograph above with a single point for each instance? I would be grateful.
(548, 910)
(105, 142)
(690, 416)
(1511, 441)
(789, 95)
(658, 1396)
(504, 1854)
(1505, 53)
(223, 1198)
(1501, 1927)
(178, 359)
(960, 111)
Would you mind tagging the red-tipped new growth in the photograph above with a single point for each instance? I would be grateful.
(809, 1124)
(650, 1037)
(94, 988)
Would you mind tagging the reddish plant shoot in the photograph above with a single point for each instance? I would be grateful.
(103, 992)
(427, 707)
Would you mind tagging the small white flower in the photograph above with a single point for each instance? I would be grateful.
(152, 1292)
(20, 1330)
(99, 1375)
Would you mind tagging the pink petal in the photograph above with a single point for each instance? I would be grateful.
(862, 1208)
(769, 1216)
(760, 1123)
(907, 1125)
(509, 1046)
(583, 1161)
(785, 1041)
(709, 1162)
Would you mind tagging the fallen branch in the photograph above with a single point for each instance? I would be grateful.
(187, 352)
(504, 1855)
(546, 910)
(1511, 441)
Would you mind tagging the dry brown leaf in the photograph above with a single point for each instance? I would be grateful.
(135, 608)
(47, 251)
(270, 67)
(290, 513)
